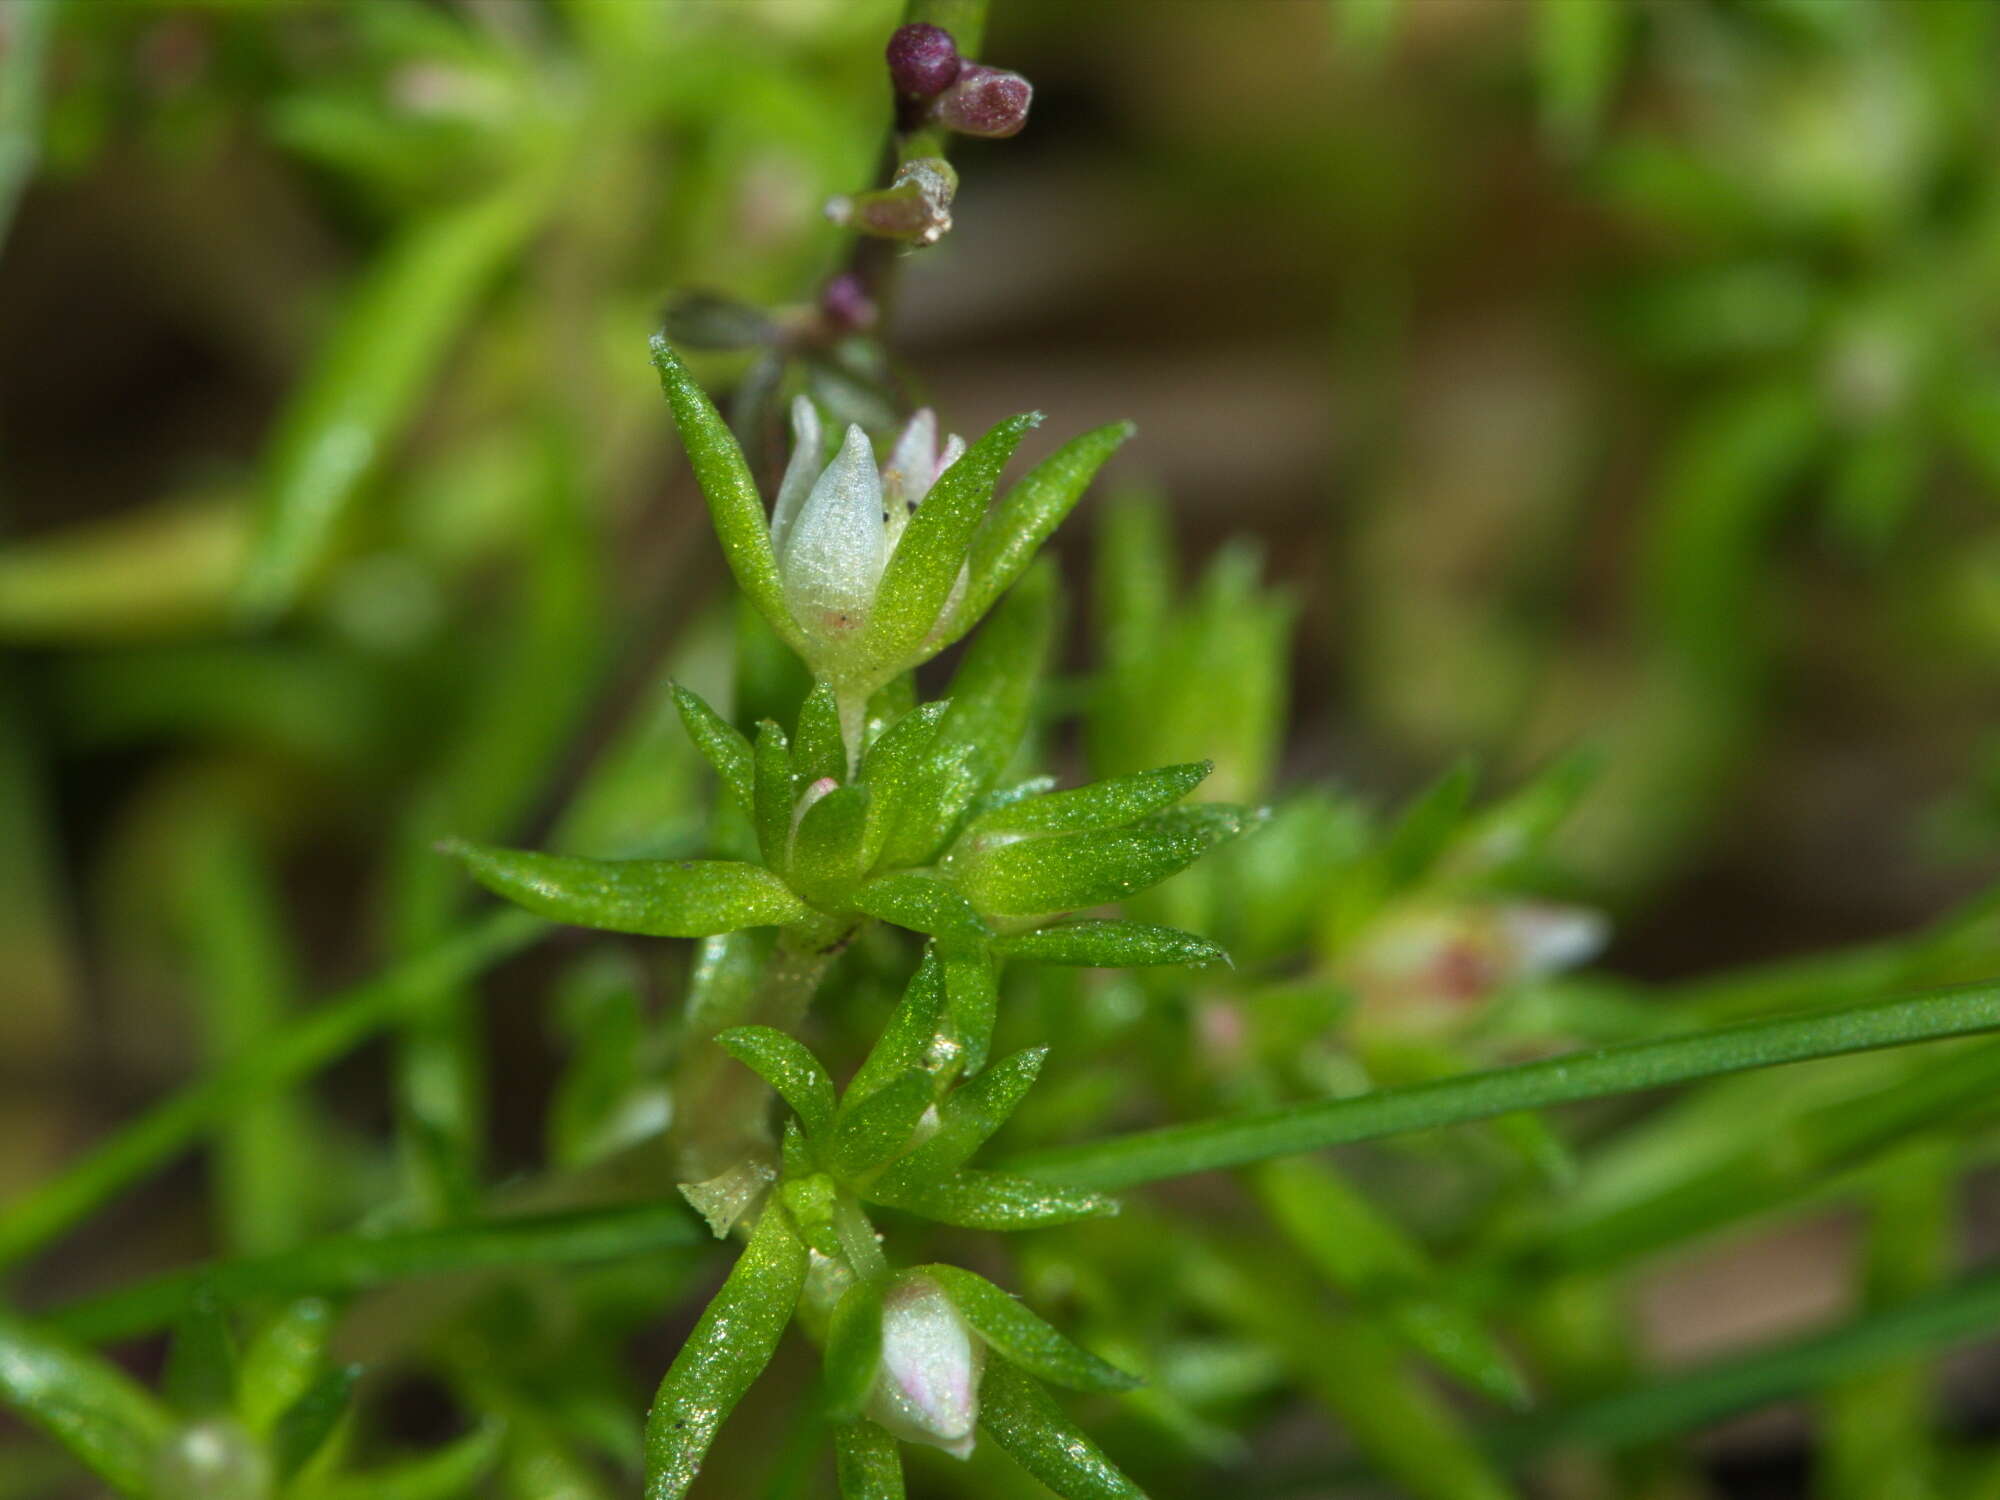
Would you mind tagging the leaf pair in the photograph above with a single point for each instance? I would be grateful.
(869, 1143)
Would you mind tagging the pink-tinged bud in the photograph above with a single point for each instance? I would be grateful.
(984, 101)
(845, 303)
(923, 59)
(915, 206)
(928, 1388)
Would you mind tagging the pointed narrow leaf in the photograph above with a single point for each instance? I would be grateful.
(651, 897)
(1064, 871)
(907, 1041)
(732, 1342)
(733, 502)
(923, 903)
(721, 746)
(201, 1364)
(934, 796)
(867, 1463)
(777, 791)
(784, 1063)
(869, 1133)
(853, 1349)
(1102, 944)
(826, 851)
(1102, 804)
(926, 562)
(887, 770)
(967, 1120)
(1028, 514)
(304, 1428)
(280, 1360)
(992, 693)
(1023, 1337)
(87, 1404)
(991, 1200)
(1024, 1419)
(1428, 824)
(817, 750)
(972, 1001)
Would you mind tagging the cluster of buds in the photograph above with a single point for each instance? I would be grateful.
(952, 91)
(936, 89)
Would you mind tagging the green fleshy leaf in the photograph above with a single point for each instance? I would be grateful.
(784, 1063)
(817, 750)
(734, 505)
(887, 769)
(1103, 804)
(1026, 517)
(968, 1118)
(1024, 1419)
(972, 996)
(867, 1463)
(87, 1404)
(906, 1042)
(853, 1349)
(923, 903)
(650, 897)
(734, 1339)
(868, 1133)
(280, 1361)
(307, 1424)
(826, 851)
(934, 797)
(1363, 1252)
(1101, 944)
(777, 792)
(721, 746)
(1427, 825)
(1022, 1337)
(990, 1200)
(1064, 871)
(926, 562)
(201, 1364)
(992, 693)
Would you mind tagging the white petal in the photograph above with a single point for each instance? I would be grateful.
(954, 450)
(835, 549)
(808, 444)
(913, 460)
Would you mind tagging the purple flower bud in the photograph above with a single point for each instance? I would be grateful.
(984, 101)
(922, 59)
(845, 303)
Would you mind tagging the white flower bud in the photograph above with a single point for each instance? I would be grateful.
(808, 444)
(836, 547)
(928, 1387)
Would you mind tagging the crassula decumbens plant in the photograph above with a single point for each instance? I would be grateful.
(872, 807)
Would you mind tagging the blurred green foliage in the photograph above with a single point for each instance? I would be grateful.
(1612, 390)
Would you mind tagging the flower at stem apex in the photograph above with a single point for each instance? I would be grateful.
(834, 528)
(927, 1390)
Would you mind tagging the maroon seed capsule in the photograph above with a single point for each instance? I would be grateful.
(984, 101)
(923, 59)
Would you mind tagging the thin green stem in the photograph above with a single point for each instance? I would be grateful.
(297, 1052)
(1178, 1150)
(356, 1262)
(722, 1108)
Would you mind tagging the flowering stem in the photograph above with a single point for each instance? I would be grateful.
(721, 1106)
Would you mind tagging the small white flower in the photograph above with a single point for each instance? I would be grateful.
(928, 1388)
(834, 528)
